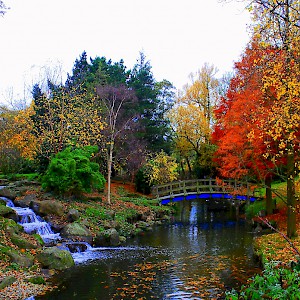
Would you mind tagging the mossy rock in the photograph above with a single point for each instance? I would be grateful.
(4, 249)
(7, 281)
(36, 280)
(55, 258)
(47, 207)
(76, 231)
(24, 260)
(6, 211)
(22, 242)
(73, 215)
(10, 226)
(39, 239)
(108, 237)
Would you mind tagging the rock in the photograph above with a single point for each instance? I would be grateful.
(4, 182)
(36, 280)
(9, 193)
(122, 239)
(22, 260)
(7, 281)
(109, 237)
(76, 246)
(26, 200)
(107, 224)
(6, 211)
(12, 227)
(21, 242)
(110, 213)
(55, 258)
(47, 207)
(73, 215)
(75, 231)
(145, 226)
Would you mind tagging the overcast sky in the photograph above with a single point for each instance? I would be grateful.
(177, 36)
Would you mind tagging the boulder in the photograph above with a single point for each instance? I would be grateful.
(107, 224)
(145, 226)
(21, 242)
(36, 280)
(7, 281)
(22, 260)
(12, 227)
(55, 258)
(26, 200)
(47, 207)
(109, 237)
(76, 231)
(7, 212)
(9, 193)
(73, 215)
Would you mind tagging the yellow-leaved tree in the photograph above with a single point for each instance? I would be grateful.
(277, 29)
(65, 118)
(191, 119)
(161, 168)
(17, 143)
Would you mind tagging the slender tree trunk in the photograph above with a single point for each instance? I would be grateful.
(291, 199)
(109, 167)
(189, 166)
(269, 200)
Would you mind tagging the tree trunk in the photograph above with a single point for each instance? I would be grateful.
(189, 167)
(291, 199)
(269, 200)
(109, 167)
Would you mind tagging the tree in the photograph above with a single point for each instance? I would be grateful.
(192, 118)
(64, 118)
(203, 90)
(241, 140)
(277, 25)
(161, 169)
(191, 131)
(119, 103)
(17, 143)
(151, 105)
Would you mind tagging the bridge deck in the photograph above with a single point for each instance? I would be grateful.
(228, 189)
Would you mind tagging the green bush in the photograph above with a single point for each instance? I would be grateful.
(276, 282)
(71, 171)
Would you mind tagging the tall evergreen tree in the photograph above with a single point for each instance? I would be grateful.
(150, 108)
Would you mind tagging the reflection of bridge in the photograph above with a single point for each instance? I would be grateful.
(204, 189)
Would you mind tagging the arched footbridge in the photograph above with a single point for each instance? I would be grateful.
(205, 189)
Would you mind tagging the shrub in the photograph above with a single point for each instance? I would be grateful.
(71, 171)
(276, 282)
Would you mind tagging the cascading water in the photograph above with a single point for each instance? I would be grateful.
(81, 251)
(33, 223)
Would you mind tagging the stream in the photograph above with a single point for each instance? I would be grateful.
(198, 255)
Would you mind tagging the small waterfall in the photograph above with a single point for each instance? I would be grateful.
(33, 223)
(80, 251)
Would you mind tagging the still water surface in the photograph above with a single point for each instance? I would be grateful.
(198, 255)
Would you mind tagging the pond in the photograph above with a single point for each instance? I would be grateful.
(198, 255)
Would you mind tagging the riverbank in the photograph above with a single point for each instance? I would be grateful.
(280, 259)
(128, 215)
(273, 246)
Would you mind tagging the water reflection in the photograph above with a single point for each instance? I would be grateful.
(197, 256)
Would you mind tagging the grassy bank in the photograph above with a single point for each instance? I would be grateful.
(281, 276)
